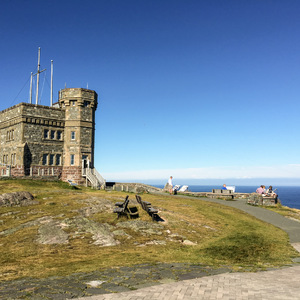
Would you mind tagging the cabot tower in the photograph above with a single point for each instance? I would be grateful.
(79, 134)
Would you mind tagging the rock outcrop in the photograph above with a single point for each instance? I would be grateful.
(57, 229)
(17, 199)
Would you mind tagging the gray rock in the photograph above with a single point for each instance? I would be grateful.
(96, 205)
(36, 222)
(144, 227)
(17, 199)
(101, 233)
(121, 232)
(51, 233)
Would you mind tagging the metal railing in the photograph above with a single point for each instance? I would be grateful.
(93, 177)
(99, 177)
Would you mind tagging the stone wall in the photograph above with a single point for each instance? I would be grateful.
(258, 199)
(17, 171)
(35, 140)
(11, 136)
(22, 133)
(73, 173)
(86, 136)
(132, 187)
(11, 115)
(45, 171)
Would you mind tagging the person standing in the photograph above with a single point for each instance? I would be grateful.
(170, 182)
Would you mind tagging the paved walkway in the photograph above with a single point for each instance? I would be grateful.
(280, 284)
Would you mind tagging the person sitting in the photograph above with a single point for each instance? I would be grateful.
(261, 190)
(271, 193)
(224, 187)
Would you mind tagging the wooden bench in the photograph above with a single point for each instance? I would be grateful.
(122, 209)
(139, 200)
(153, 212)
(121, 204)
(219, 193)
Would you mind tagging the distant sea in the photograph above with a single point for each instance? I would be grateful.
(288, 195)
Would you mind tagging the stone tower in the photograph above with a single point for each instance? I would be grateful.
(79, 134)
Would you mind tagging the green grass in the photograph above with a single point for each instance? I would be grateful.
(286, 211)
(222, 235)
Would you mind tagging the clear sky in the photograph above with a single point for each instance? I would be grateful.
(190, 88)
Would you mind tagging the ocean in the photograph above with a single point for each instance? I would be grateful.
(288, 195)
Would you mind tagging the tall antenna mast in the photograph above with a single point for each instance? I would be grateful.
(51, 89)
(38, 77)
(30, 91)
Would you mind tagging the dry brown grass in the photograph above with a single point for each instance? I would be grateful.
(221, 235)
(286, 211)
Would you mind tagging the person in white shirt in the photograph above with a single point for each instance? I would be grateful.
(170, 182)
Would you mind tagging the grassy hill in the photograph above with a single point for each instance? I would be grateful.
(73, 230)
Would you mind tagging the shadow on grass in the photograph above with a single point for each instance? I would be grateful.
(241, 248)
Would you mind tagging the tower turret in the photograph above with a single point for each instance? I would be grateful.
(79, 134)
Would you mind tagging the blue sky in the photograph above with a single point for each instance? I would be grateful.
(194, 89)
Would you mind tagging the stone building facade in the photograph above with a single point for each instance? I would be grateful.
(57, 141)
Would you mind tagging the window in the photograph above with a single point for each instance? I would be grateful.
(46, 133)
(86, 103)
(72, 160)
(10, 135)
(45, 158)
(73, 102)
(13, 159)
(58, 159)
(58, 135)
(51, 159)
(52, 135)
(72, 135)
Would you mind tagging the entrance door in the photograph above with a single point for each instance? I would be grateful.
(85, 161)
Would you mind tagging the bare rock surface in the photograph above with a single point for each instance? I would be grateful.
(52, 233)
(17, 199)
(36, 222)
(101, 232)
(144, 227)
(96, 205)
(56, 229)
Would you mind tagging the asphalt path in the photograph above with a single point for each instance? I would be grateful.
(291, 227)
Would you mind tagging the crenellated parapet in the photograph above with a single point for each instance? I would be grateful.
(38, 140)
